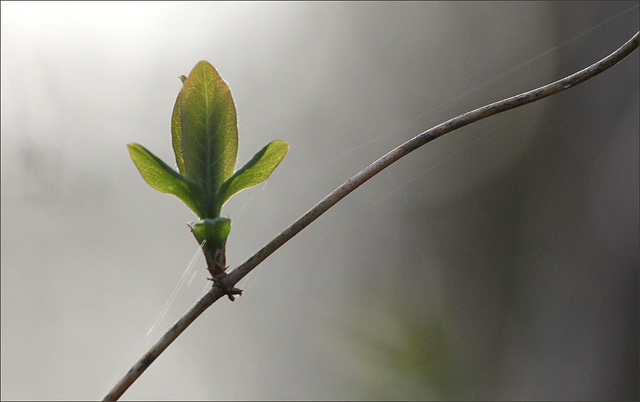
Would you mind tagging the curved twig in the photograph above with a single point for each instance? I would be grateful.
(347, 187)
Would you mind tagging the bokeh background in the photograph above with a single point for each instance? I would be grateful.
(498, 262)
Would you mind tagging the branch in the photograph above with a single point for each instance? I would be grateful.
(356, 181)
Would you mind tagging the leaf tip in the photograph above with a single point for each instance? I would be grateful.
(133, 147)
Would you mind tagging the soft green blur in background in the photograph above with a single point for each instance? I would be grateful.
(498, 262)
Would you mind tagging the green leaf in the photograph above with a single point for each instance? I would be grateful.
(176, 131)
(209, 132)
(166, 180)
(214, 231)
(257, 170)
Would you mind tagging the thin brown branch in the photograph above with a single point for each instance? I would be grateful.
(356, 181)
(418, 141)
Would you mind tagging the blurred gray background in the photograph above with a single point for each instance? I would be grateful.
(498, 262)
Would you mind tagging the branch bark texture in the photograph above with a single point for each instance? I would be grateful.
(356, 181)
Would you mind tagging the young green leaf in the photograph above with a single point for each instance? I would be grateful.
(176, 131)
(213, 231)
(166, 180)
(204, 136)
(254, 172)
(209, 132)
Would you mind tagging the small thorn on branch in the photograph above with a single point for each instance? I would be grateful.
(228, 290)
